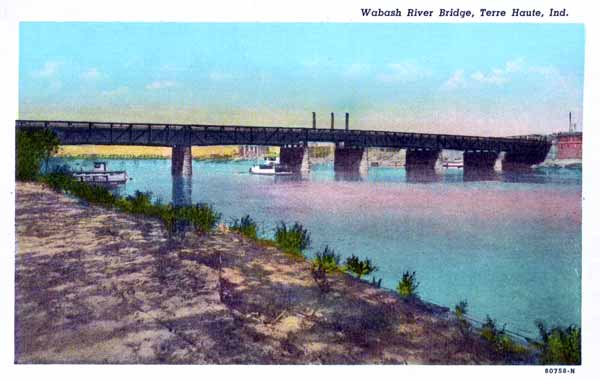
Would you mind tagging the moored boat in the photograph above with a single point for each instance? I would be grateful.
(453, 164)
(99, 175)
(271, 166)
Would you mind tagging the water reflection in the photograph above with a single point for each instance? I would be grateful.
(182, 190)
(349, 176)
(476, 175)
(423, 175)
(289, 178)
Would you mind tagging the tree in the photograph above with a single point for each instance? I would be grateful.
(33, 148)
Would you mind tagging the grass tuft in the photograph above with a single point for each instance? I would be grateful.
(292, 240)
(328, 260)
(499, 340)
(245, 226)
(359, 267)
(407, 287)
(559, 345)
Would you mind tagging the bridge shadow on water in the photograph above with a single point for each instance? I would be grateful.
(350, 176)
(423, 175)
(181, 196)
(182, 190)
(478, 175)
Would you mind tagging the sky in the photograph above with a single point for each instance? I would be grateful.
(475, 79)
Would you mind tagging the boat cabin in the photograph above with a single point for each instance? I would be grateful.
(99, 166)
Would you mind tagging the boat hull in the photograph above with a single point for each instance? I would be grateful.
(101, 178)
(271, 172)
(452, 165)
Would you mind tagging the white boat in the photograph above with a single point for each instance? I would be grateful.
(271, 166)
(453, 164)
(99, 175)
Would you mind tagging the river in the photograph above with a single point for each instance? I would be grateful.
(510, 246)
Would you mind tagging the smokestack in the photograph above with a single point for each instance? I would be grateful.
(347, 119)
(332, 120)
(314, 120)
(570, 125)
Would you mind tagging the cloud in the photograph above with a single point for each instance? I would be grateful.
(457, 80)
(514, 65)
(91, 74)
(499, 76)
(160, 84)
(122, 90)
(545, 71)
(49, 70)
(496, 76)
(403, 72)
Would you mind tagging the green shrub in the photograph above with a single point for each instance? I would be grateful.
(559, 345)
(245, 226)
(58, 181)
(327, 260)
(84, 191)
(139, 203)
(460, 309)
(490, 332)
(202, 216)
(359, 267)
(498, 339)
(32, 148)
(407, 287)
(292, 240)
(93, 194)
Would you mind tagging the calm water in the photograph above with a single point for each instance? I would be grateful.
(510, 246)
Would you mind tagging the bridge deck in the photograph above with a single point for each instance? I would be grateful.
(161, 134)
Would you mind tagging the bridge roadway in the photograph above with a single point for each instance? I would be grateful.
(423, 149)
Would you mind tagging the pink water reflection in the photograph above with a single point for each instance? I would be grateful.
(443, 201)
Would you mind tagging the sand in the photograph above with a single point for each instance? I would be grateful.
(98, 286)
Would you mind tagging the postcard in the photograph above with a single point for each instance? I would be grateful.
(392, 185)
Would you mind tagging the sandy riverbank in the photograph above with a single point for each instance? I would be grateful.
(128, 152)
(97, 286)
(199, 152)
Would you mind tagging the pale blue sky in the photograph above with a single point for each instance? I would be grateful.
(491, 79)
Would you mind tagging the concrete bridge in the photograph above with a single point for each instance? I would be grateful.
(423, 151)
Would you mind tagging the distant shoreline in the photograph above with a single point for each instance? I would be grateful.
(225, 153)
(145, 157)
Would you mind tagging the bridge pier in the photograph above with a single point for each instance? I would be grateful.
(181, 160)
(480, 161)
(482, 165)
(295, 158)
(424, 160)
(351, 160)
(524, 160)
